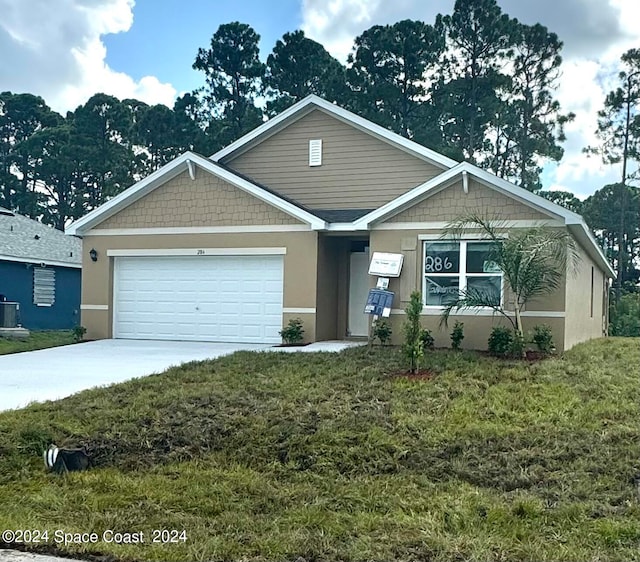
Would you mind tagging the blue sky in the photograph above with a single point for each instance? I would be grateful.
(68, 50)
(165, 35)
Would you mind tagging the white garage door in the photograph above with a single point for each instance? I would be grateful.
(199, 298)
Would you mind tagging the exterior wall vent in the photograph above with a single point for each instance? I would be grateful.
(44, 286)
(315, 152)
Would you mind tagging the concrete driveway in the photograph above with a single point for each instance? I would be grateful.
(49, 374)
(53, 373)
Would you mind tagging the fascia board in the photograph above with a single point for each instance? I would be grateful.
(386, 135)
(266, 127)
(315, 222)
(36, 261)
(128, 196)
(406, 199)
(582, 233)
(171, 170)
(521, 194)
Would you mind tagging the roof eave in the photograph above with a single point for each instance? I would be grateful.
(181, 163)
(128, 196)
(581, 231)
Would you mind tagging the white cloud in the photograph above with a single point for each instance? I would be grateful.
(335, 24)
(54, 49)
(595, 34)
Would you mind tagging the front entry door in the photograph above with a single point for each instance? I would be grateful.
(358, 292)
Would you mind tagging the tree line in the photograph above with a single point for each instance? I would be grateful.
(475, 85)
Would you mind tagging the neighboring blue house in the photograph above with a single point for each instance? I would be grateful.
(40, 268)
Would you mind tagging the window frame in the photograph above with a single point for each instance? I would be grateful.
(462, 273)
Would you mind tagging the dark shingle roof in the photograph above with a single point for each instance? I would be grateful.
(341, 215)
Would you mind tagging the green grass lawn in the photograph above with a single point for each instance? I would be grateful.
(36, 340)
(273, 456)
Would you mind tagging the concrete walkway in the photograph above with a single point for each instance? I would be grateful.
(49, 374)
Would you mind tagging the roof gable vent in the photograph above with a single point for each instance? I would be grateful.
(315, 152)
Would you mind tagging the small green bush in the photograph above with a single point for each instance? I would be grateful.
(427, 339)
(500, 341)
(457, 335)
(293, 333)
(381, 330)
(543, 338)
(78, 333)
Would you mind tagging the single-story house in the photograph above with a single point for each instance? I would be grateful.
(40, 270)
(281, 224)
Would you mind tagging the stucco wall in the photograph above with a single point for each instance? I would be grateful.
(16, 284)
(205, 201)
(300, 273)
(584, 311)
(327, 287)
(358, 171)
(477, 327)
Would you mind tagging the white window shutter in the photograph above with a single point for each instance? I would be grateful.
(315, 152)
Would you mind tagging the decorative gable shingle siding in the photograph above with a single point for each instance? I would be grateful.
(205, 201)
(358, 171)
(452, 203)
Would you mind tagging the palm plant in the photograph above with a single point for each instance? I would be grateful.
(533, 262)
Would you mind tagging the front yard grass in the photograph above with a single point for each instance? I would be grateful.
(36, 340)
(275, 456)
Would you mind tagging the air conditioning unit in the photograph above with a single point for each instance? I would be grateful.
(9, 314)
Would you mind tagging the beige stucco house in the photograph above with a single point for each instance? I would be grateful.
(281, 224)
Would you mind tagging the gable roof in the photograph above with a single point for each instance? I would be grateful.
(574, 222)
(311, 102)
(184, 162)
(362, 219)
(25, 240)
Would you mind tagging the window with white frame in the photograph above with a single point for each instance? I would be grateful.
(44, 286)
(452, 267)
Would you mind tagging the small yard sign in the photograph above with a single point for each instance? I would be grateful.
(386, 265)
(379, 303)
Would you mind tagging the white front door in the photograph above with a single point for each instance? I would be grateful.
(358, 292)
(199, 298)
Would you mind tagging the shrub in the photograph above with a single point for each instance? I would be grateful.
(500, 341)
(78, 333)
(624, 316)
(293, 332)
(457, 335)
(427, 339)
(413, 348)
(518, 344)
(543, 338)
(381, 330)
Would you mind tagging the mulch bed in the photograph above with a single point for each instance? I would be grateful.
(421, 375)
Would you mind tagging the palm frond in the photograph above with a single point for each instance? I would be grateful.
(473, 298)
(533, 262)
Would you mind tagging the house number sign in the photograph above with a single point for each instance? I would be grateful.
(437, 264)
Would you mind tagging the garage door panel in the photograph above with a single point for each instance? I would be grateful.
(211, 298)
